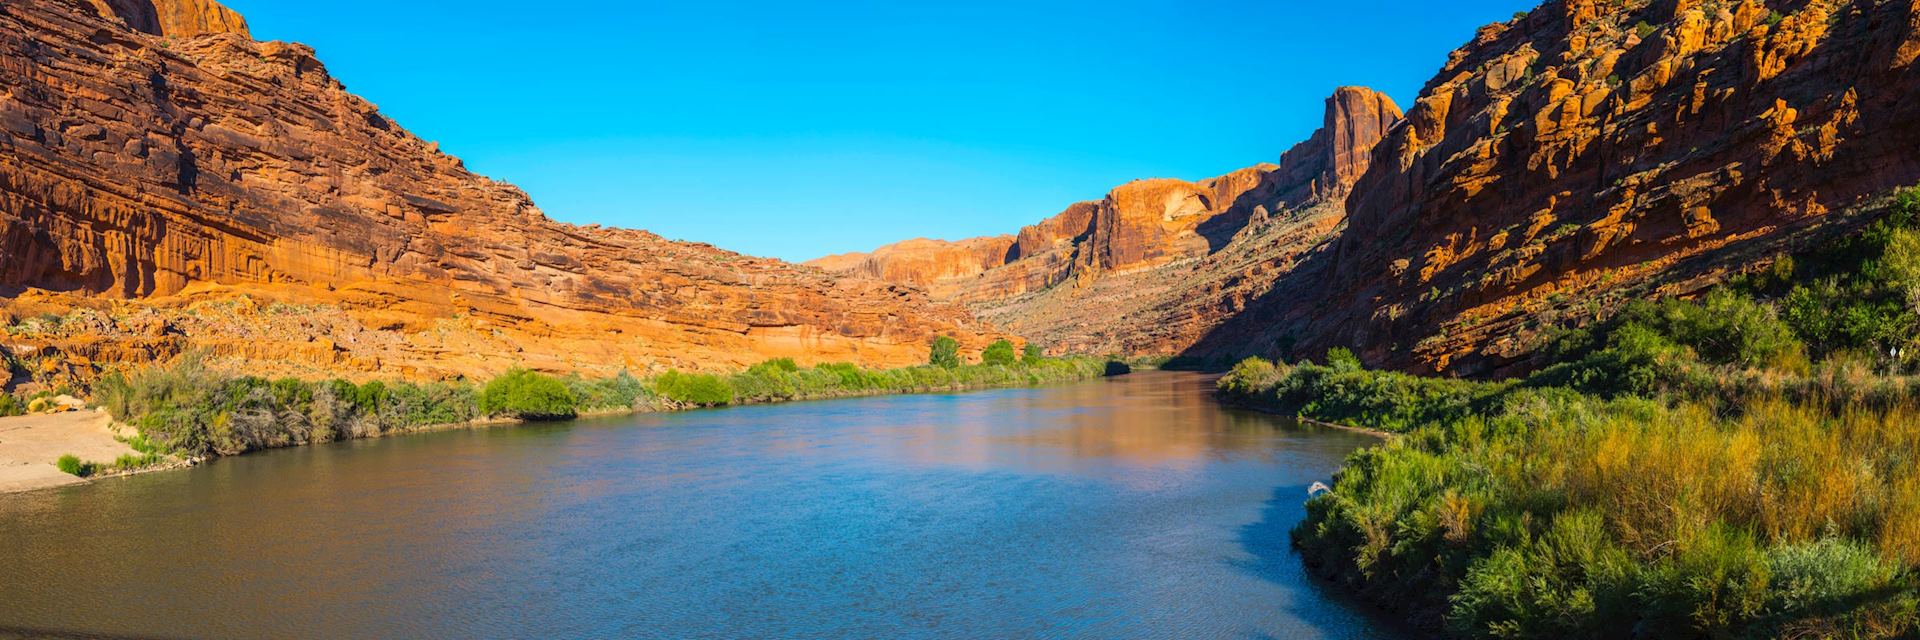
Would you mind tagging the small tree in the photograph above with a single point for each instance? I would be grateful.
(1000, 353)
(1342, 359)
(945, 352)
(529, 396)
(1032, 354)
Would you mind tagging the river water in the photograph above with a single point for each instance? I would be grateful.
(1130, 507)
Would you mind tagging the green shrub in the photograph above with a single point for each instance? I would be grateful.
(71, 465)
(1250, 377)
(1342, 360)
(621, 392)
(1032, 355)
(945, 352)
(10, 406)
(407, 405)
(695, 389)
(528, 395)
(999, 353)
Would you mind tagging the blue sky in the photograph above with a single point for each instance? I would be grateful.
(799, 129)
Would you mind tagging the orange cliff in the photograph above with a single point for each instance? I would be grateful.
(1158, 263)
(1588, 153)
(186, 187)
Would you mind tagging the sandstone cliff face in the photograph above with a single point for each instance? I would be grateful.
(1157, 264)
(1591, 151)
(929, 264)
(163, 158)
(172, 18)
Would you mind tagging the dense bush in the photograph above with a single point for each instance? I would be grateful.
(999, 353)
(1344, 392)
(945, 352)
(10, 406)
(189, 410)
(622, 392)
(1031, 354)
(1549, 513)
(1860, 293)
(71, 465)
(694, 389)
(527, 395)
(1252, 376)
(1736, 466)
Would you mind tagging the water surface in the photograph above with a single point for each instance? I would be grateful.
(1131, 507)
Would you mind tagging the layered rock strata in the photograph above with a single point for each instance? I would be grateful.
(152, 153)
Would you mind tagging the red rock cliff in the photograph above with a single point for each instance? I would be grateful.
(1157, 263)
(172, 18)
(151, 152)
(1593, 151)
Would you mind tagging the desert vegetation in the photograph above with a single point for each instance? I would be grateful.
(192, 410)
(11, 406)
(1737, 465)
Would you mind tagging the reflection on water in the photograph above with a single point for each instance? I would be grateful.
(1131, 507)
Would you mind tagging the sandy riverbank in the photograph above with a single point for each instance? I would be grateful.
(29, 445)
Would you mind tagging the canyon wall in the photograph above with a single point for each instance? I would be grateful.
(1155, 265)
(1588, 153)
(155, 160)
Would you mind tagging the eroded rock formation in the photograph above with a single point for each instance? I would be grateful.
(151, 152)
(1593, 151)
(1158, 263)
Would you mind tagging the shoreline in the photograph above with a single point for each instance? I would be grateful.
(1234, 404)
(66, 480)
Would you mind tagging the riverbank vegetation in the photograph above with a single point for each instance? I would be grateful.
(190, 410)
(1742, 465)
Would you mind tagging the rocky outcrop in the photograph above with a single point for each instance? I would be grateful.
(1589, 152)
(924, 263)
(164, 159)
(1157, 263)
(173, 18)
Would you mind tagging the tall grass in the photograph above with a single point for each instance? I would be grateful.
(1738, 466)
(1557, 514)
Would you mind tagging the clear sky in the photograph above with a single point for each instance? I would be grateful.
(798, 129)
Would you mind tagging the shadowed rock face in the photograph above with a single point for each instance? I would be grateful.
(1157, 263)
(1595, 151)
(207, 166)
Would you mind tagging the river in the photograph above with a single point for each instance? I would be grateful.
(1130, 507)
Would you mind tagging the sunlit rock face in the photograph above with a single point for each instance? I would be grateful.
(173, 18)
(1157, 263)
(1592, 152)
(152, 153)
(1560, 164)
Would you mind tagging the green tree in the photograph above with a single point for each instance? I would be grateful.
(1032, 354)
(945, 352)
(527, 395)
(1000, 353)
